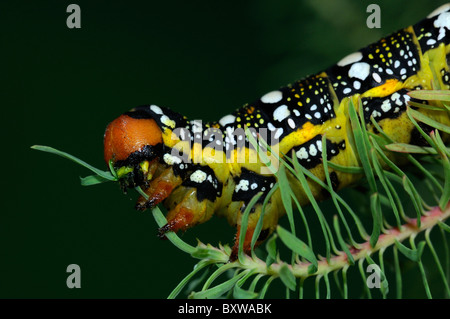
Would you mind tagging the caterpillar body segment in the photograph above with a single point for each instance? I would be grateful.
(200, 169)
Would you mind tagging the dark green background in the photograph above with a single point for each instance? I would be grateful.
(60, 87)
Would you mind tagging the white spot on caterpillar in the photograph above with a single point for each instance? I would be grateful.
(359, 70)
(291, 123)
(386, 106)
(347, 90)
(198, 176)
(406, 98)
(431, 41)
(376, 77)
(271, 127)
(167, 121)
(254, 186)
(227, 119)
(357, 85)
(395, 96)
(351, 58)
(243, 185)
(312, 150)
(156, 109)
(170, 159)
(319, 145)
(375, 114)
(196, 126)
(441, 34)
(278, 133)
(302, 153)
(281, 113)
(443, 21)
(272, 97)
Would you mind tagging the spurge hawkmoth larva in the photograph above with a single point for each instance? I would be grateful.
(197, 169)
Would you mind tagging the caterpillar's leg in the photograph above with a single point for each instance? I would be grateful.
(159, 189)
(186, 213)
(270, 221)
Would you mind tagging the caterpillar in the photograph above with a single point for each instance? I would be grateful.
(200, 169)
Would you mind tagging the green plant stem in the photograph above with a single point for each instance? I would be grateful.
(300, 270)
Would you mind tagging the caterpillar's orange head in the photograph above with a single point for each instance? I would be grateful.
(133, 143)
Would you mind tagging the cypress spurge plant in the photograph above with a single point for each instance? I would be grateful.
(347, 257)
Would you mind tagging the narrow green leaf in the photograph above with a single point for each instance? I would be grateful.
(416, 199)
(263, 291)
(384, 285)
(413, 254)
(346, 169)
(93, 180)
(202, 264)
(105, 174)
(437, 261)
(161, 221)
(327, 286)
(141, 192)
(398, 274)
(419, 250)
(217, 291)
(239, 293)
(362, 272)
(255, 282)
(421, 131)
(426, 106)
(260, 222)
(446, 106)
(425, 119)
(444, 226)
(112, 170)
(342, 241)
(207, 253)
(442, 149)
(361, 145)
(408, 148)
(244, 222)
(271, 247)
(287, 277)
(445, 198)
(436, 95)
(286, 197)
(296, 245)
(384, 182)
(375, 208)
